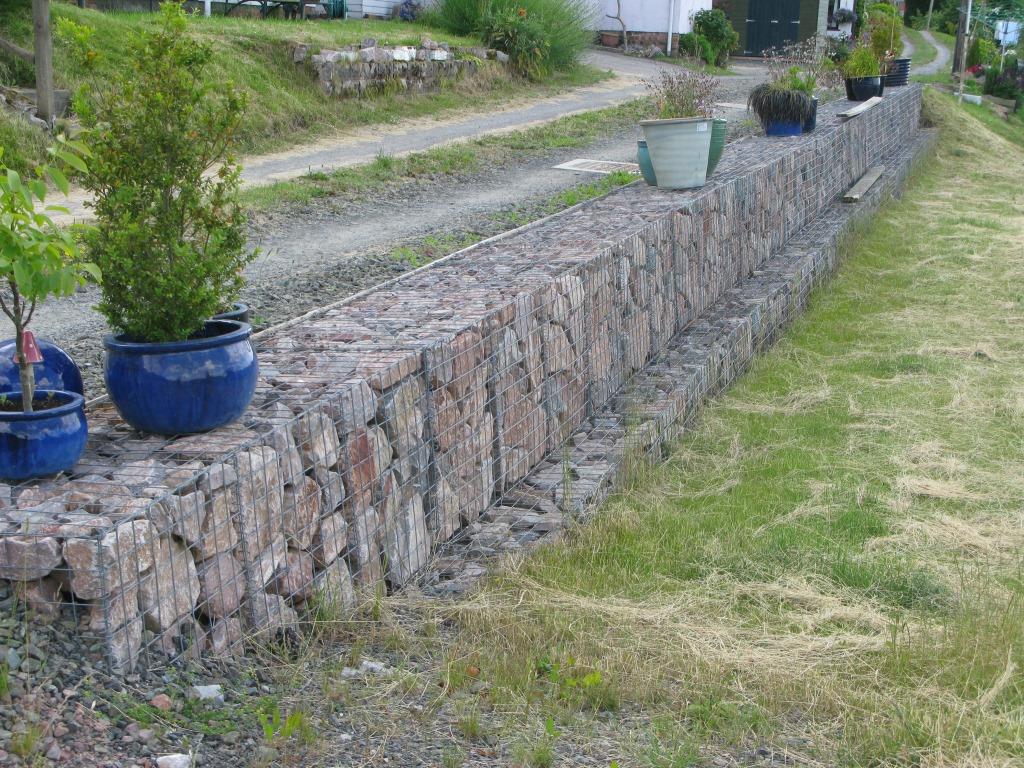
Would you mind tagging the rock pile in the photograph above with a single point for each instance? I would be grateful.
(369, 68)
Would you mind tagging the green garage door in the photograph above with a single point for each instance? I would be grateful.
(771, 24)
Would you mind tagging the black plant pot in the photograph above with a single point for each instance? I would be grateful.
(812, 120)
(898, 74)
(864, 88)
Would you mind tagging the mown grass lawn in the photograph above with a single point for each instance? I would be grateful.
(285, 103)
(830, 563)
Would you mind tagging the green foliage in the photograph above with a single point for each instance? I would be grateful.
(521, 36)
(981, 51)
(567, 25)
(715, 26)
(886, 34)
(278, 728)
(38, 259)
(860, 12)
(862, 62)
(699, 46)
(78, 40)
(169, 237)
(882, 9)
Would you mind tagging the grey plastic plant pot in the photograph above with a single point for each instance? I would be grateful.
(679, 150)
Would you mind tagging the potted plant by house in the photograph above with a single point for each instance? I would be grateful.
(863, 75)
(786, 106)
(42, 431)
(679, 139)
(170, 235)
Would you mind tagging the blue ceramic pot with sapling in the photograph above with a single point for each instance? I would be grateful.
(48, 440)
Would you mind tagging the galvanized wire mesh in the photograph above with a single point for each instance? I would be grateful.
(459, 412)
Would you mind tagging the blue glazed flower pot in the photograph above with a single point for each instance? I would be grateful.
(238, 311)
(643, 159)
(182, 387)
(48, 440)
(783, 128)
(57, 371)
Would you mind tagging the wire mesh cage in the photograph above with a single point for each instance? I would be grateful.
(461, 412)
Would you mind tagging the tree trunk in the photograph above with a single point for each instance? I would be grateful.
(25, 372)
(44, 60)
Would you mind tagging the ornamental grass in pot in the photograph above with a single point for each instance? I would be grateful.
(863, 74)
(42, 431)
(679, 139)
(170, 235)
(786, 106)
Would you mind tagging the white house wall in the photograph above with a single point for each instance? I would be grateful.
(650, 15)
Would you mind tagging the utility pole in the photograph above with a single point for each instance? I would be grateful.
(928, 22)
(43, 60)
(960, 46)
(966, 26)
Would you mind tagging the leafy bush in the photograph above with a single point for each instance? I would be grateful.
(77, 38)
(714, 25)
(698, 46)
(567, 24)
(683, 94)
(981, 52)
(844, 16)
(862, 62)
(1004, 85)
(882, 9)
(170, 238)
(886, 33)
(522, 37)
(38, 259)
(409, 10)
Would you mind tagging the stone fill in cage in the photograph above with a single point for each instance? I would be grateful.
(463, 409)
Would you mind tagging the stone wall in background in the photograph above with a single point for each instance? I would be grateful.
(370, 68)
(425, 410)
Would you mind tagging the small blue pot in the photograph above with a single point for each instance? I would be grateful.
(783, 128)
(57, 371)
(643, 159)
(183, 387)
(43, 442)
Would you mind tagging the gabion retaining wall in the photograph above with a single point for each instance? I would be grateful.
(386, 426)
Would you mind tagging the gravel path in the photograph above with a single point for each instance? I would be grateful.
(319, 253)
(941, 60)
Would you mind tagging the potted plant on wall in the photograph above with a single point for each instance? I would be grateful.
(42, 431)
(863, 75)
(786, 106)
(679, 139)
(170, 235)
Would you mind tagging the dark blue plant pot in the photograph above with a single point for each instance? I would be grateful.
(643, 159)
(57, 371)
(812, 120)
(239, 312)
(182, 387)
(783, 128)
(43, 442)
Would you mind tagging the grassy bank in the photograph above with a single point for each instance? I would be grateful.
(924, 51)
(450, 161)
(830, 562)
(286, 105)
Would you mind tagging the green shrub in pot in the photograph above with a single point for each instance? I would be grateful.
(679, 138)
(169, 232)
(784, 105)
(863, 74)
